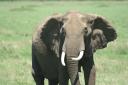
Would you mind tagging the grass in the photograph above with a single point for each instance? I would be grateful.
(19, 19)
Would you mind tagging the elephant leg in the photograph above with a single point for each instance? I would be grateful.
(92, 76)
(89, 71)
(63, 75)
(39, 79)
(53, 82)
(36, 71)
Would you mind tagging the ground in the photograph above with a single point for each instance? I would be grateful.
(19, 19)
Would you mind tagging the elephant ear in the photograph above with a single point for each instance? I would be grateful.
(50, 32)
(102, 32)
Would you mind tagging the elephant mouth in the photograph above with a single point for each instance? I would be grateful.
(75, 59)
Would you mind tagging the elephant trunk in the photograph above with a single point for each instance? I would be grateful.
(72, 67)
(72, 52)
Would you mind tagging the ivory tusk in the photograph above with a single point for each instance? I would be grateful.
(79, 57)
(62, 58)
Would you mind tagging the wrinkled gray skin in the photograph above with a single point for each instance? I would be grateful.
(71, 33)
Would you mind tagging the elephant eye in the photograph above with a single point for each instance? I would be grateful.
(85, 30)
(62, 32)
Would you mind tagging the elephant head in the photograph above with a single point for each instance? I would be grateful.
(73, 35)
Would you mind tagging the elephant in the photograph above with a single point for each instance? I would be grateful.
(65, 43)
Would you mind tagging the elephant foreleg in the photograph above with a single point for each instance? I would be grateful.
(38, 79)
(36, 71)
(89, 72)
(92, 76)
(53, 82)
(63, 75)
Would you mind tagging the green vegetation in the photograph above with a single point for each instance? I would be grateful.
(19, 19)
